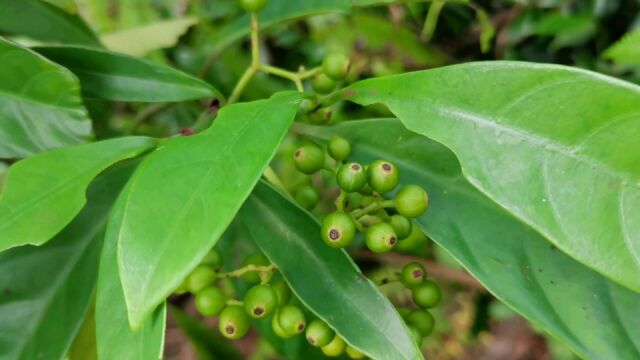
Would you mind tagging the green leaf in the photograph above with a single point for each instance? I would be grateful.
(49, 189)
(116, 340)
(185, 194)
(118, 77)
(139, 41)
(626, 50)
(84, 345)
(42, 21)
(40, 104)
(326, 280)
(487, 30)
(47, 290)
(592, 314)
(556, 146)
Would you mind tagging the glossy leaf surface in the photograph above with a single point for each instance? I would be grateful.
(587, 311)
(42, 21)
(47, 290)
(185, 194)
(325, 279)
(40, 104)
(119, 77)
(115, 339)
(49, 189)
(557, 147)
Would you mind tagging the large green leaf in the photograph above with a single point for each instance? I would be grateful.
(589, 312)
(119, 77)
(557, 147)
(326, 280)
(43, 21)
(40, 104)
(185, 194)
(49, 189)
(115, 339)
(47, 290)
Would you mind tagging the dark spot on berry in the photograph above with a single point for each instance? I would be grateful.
(392, 240)
(334, 234)
(300, 327)
(298, 153)
(311, 340)
(386, 167)
(230, 329)
(417, 273)
(385, 281)
(356, 167)
(187, 131)
(258, 311)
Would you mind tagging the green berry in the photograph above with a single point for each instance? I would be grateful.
(277, 329)
(383, 176)
(291, 319)
(234, 322)
(415, 334)
(413, 274)
(307, 197)
(422, 320)
(380, 237)
(319, 333)
(257, 259)
(309, 158)
(321, 116)
(427, 294)
(201, 277)
(210, 301)
(404, 312)
(415, 242)
(336, 66)
(411, 201)
(338, 230)
(335, 348)
(253, 5)
(283, 292)
(322, 84)
(353, 201)
(212, 259)
(339, 148)
(183, 288)
(351, 177)
(401, 225)
(354, 354)
(260, 301)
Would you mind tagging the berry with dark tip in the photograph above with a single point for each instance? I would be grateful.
(422, 320)
(234, 322)
(413, 274)
(309, 158)
(382, 176)
(335, 348)
(427, 294)
(351, 177)
(210, 301)
(339, 148)
(322, 84)
(380, 237)
(401, 225)
(253, 6)
(291, 319)
(338, 230)
(307, 197)
(411, 201)
(201, 277)
(260, 301)
(319, 333)
(336, 66)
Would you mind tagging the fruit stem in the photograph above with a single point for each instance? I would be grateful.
(431, 21)
(340, 200)
(246, 269)
(371, 208)
(232, 302)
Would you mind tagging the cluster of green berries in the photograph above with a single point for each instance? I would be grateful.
(426, 294)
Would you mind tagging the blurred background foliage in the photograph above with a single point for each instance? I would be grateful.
(207, 39)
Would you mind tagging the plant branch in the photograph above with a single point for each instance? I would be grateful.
(431, 21)
(246, 269)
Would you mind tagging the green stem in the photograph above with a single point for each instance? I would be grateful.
(232, 302)
(431, 21)
(246, 269)
(255, 61)
(371, 208)
(340, 200)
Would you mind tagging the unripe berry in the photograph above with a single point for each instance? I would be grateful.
(336, 66)
(404, 312)
(307, 197)
(411, 201)
(322, 84)
(257, 259)
(338, 230)
(260, 301)
(422, 320)
(353, 201)
(351, 177)
(401, 225)
(291, 319)
(210, 301)
(277, 329)
(354, 354)
(414, 242)
(380, 237)
(283, 292)
(234, 322)
(413, 274)
(253, 5)
(321, 116)
(212, 259)
(427, 294)
(319, 333)
(383, 176)
(309, 158)
(416, 335)
(339, 148)
(335, 348)
(201, 277)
